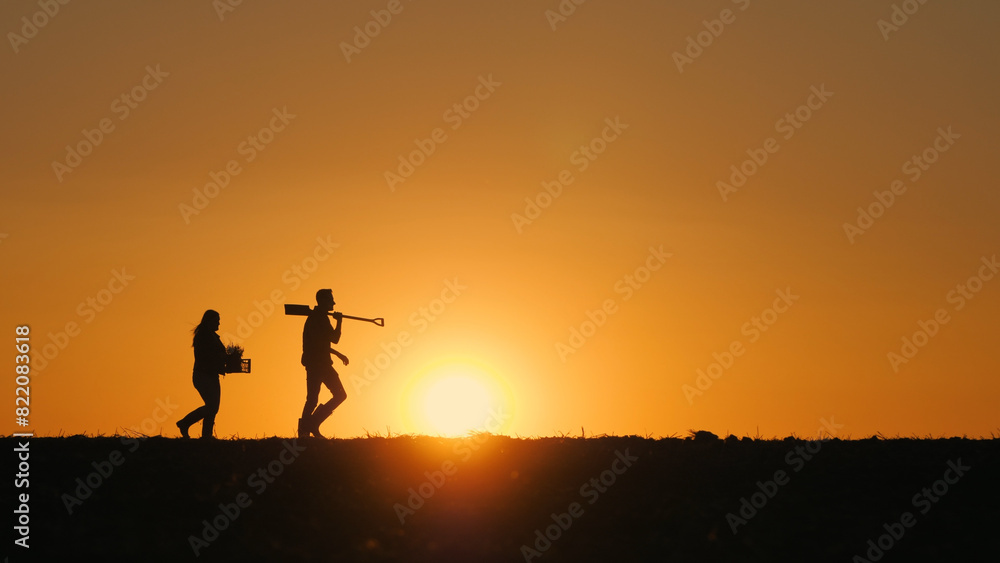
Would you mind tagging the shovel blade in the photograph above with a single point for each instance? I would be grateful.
(300, 310)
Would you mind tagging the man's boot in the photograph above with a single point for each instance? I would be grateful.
(303, 428)
(322, 413)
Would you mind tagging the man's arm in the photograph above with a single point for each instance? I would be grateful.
(335, 333)
(342, 357)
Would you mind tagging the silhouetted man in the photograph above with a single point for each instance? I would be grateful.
(317, 335)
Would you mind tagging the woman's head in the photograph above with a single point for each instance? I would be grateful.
(209, 319)
(209, 322)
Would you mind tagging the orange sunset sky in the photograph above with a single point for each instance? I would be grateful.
(565, 218)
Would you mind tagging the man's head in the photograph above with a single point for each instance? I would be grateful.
(324, 299)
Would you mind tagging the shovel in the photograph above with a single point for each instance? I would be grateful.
(304, 310)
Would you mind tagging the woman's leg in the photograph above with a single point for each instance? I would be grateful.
(210, 391)
(195, 415)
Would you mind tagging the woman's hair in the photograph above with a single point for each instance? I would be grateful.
(210, 317)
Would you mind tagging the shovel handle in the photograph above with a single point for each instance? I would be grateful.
(379, 321)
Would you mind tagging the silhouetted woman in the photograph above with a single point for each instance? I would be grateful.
(209, 362)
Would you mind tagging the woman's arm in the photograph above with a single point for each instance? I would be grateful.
(220, 351)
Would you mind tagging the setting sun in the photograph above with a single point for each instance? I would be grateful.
(455, 398)
(456, 404)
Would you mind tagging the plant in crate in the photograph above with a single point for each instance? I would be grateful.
(235, 363)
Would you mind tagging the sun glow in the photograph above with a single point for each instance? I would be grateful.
(456, 397)
(455, 404)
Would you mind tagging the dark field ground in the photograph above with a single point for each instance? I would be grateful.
(660, 500)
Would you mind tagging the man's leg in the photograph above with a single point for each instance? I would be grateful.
(312, 394)
(312, 397)
(336, 387)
